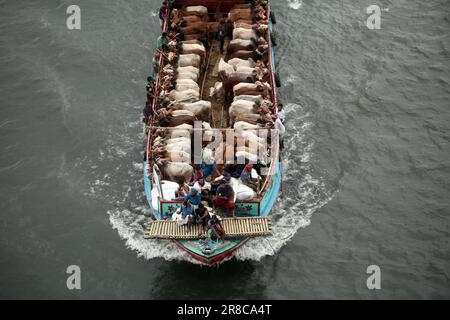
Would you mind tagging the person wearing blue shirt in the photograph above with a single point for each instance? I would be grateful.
(208, 169)
(187, 213)
(193, 198)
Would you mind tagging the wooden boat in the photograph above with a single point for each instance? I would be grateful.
(159, 188)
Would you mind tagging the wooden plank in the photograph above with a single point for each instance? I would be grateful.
(234, 227)
(165, 226)
(231, 227)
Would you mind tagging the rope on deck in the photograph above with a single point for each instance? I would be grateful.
(234, 228)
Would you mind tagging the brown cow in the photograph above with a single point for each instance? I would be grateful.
(236, 46)
(241, 6)
(192, 19)
(230, 82)
(168, 118)
(244, 55)
(239, 14)
(258, 54)
(252, 89)
(195, 28)
(194, 13)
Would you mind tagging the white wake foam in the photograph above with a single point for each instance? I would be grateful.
(295, 4)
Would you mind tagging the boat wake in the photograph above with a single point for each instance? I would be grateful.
(302, 194)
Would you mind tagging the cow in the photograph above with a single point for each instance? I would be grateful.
(184, 96)
(173, 118)
(176, 170)
(244, 34)
(201, 109)
(185, 60)
(253, 89)
(193, 48)
(242, 125)
(242, 6)
(174, 156)
(200, 9)
(187, 84)
(242, 107)
(191, 19)
(246, 70)
(254, 99)
(239, 14)
(187, 75)
(195, 28)
(244, 54)
(238, 44)
(253, 118)
(236, 62)
(225, 69)
(217, 91)
(189, 69)
(234, 79)
(192, 42)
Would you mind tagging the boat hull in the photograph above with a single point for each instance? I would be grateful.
(222, 251)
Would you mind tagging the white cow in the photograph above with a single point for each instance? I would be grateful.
(191, 59)
(177, 170)
(225, 68)
(192, 46)
(186, 84)
(249, 98)
(200, 9)
(201, 109)
(189, 69)
(240, 107)
(242, 125)
(244, 34)
(187, 75)
(184, 96)
(236, 62)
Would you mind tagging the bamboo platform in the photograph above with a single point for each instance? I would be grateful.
(234, 228)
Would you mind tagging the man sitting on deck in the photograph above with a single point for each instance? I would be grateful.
(202, 215)
(215, 228)
(204, 189)
(162, 40)
(187, 214)
(224, 198)
(193, 198)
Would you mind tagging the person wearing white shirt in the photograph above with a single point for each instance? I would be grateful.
(280, 114)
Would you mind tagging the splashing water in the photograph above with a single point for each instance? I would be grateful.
(295, 4)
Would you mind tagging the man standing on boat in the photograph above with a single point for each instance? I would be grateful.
(163, 11)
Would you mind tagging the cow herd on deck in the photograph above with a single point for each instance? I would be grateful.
(175, 104)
